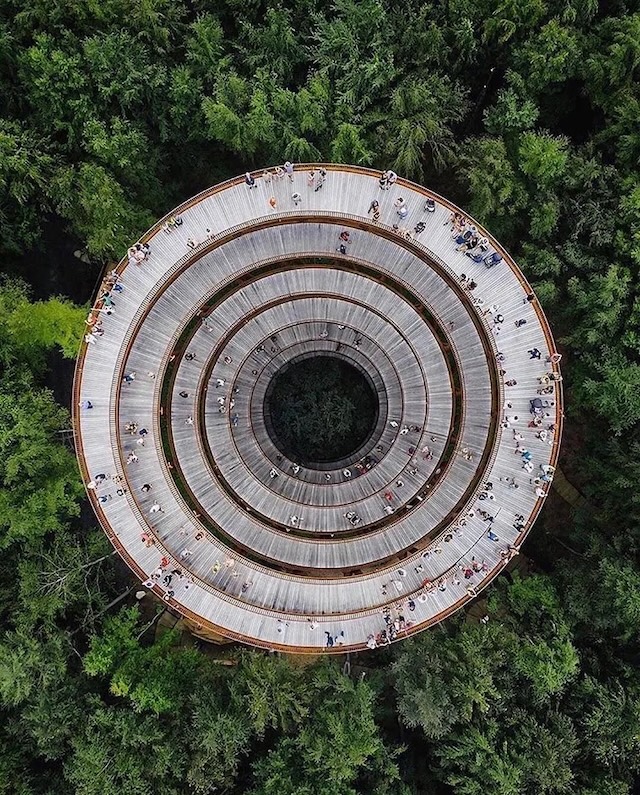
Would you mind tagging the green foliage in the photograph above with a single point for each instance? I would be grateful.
(119, 146)
(26, 165)
(269, 692)
(51, 717)
(474, 689)
(204, 46)
(513, 19)
(549, 57)
(514, 111)
(531, 757)
(30, 664)
(543, 158)
(38, 327)
(455, 678)
(30, 330)
(99, 209)
(422, 113)
(349, 147)
(527, 112)
(38, 477)
(616, 393)
(120, 750)
(223, 736)
(154, 678)
(321, 409)
(546, 665)
(62, 577)
(498, 195)
(611, 721)
(339, 737)
(273, 45)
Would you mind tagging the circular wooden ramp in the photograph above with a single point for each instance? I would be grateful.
(181, 463)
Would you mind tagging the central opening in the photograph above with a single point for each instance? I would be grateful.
(320, 409)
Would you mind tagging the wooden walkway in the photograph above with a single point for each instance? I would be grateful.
(253, 545)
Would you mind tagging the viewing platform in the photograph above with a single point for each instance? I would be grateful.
(173, 440)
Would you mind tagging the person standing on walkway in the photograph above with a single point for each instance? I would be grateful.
(374, 210)
(401, 207)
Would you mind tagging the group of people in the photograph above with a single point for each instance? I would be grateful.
(387, 178)
(315, 180)
(105, 304)
(486, 495)
(401, 208)
(172, 223)
(278, 174)
(138, 253)
(101, 480)
(395, 622)
(169, 576)
(468, 239)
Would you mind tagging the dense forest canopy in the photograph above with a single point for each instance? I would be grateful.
(320, 408)
(525, 112)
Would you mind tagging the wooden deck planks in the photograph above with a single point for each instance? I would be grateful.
(216, 595)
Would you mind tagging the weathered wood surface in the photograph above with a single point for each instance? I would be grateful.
(404, 360)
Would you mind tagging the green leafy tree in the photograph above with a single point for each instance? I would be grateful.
(156, 678)
(543, 158)
(551, 56)
(204, 47)
(337, 739)
(98, 209)
(118, 750)
(120, 146)
(39, 483)
(122, 73)
(615, 393)
(475, 761)
(457, 677)
(270, 692)
(349, 147)
(221, 736)
(351, 49)
(38, 327)
(497, 193)
(600, 305)
(183, 119)
(26, 164)
(30, 663)
(614, 66)
(56, 85)
(51, 717)
(65, 577)
(611, 721)
(513, 19)
(273, 45)
(421, 116)
(514, 111)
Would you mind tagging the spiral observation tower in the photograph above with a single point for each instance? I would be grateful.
(188, 476)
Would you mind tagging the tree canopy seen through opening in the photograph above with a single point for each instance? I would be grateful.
(322, 409)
